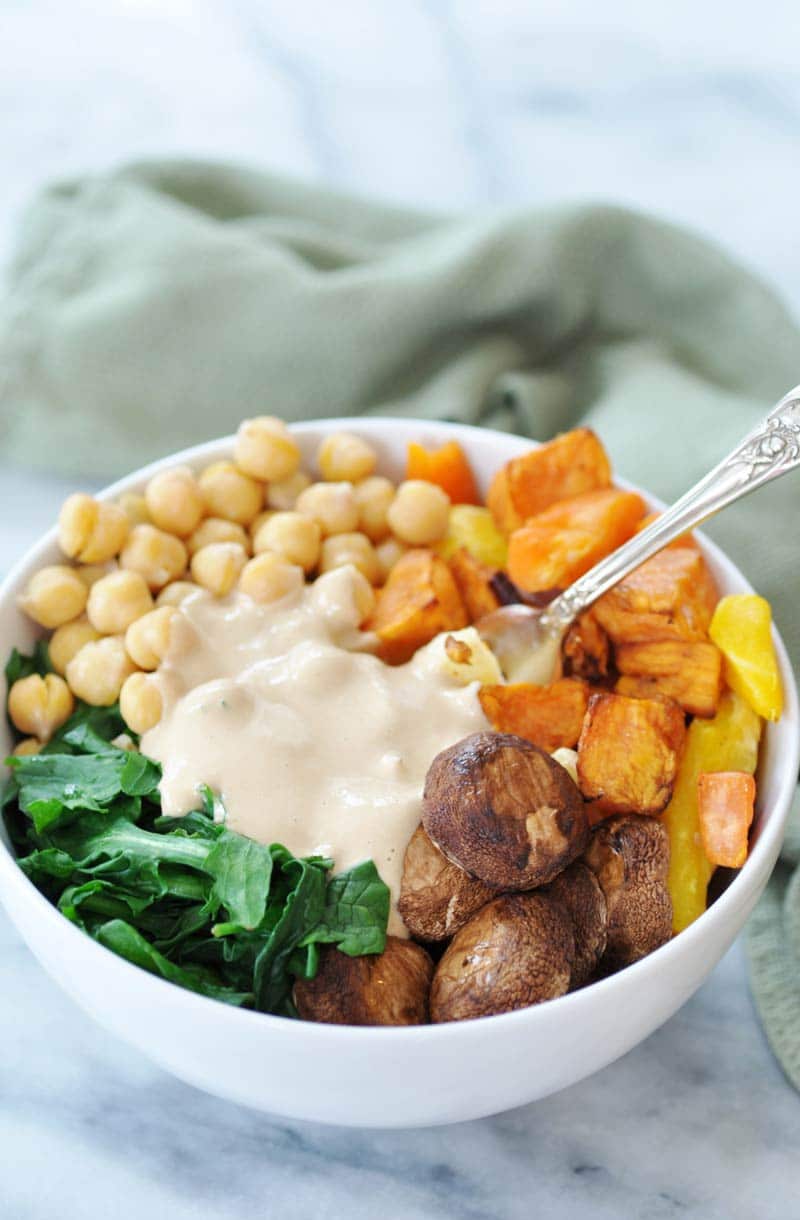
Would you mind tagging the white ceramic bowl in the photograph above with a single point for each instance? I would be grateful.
(410, 1076)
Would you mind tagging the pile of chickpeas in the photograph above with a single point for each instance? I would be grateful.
(258, 524)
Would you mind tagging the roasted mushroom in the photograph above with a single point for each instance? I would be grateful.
(389, 988)
(629, 855)
(436, 896)
(518, 950)
(579, 892)
(502, 809)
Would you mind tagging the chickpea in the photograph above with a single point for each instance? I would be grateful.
(157, 556)
(342, 455)
(282, 494)
(174, 501)
(217, 566)
(419, 512)
(217, 529)
(116, 601)
(265, 449)
(355, 549)
(257, 522)
(97, 672)
(374, 497)
(39, 705)
(268, 578)
(134, 506)
(343, 595)
(140, 702)
(175, 593)
(54, 595)
(26, 747)
(90, 573)
(91, 530)
(293, 536)
(69, 639)
(229, 493)
(388, 554)
(147, 639)
(332, 505)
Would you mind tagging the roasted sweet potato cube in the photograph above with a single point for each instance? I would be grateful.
(473, 581)
(569, 465)
(558, 545)
(586, 649)
(420, 599)
(629, 751)
(549, 716)
(670, 597)
(688, 671)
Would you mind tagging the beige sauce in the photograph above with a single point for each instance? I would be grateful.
(310, 740)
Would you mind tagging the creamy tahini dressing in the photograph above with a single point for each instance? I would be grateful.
(310, 740)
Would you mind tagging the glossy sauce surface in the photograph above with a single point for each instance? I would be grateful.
(309, 739)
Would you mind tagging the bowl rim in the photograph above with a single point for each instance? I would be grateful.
(737, 893)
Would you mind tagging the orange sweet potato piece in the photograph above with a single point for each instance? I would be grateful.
(448, 467)
(688, 671)
(725, 802)
(670, 597)
(629, 751)
(561, 543)
(586, 649)
(549, 716)
(420, 599)
(570, 464)
(473, 581)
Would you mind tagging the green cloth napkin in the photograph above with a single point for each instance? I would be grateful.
(153, 307)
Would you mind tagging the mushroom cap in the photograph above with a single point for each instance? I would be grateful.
(516, 951)
(629, 855)
(503, 810)
(389, 988)
(579, 892)
(436, 896)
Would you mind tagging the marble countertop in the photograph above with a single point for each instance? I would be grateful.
(445, 104)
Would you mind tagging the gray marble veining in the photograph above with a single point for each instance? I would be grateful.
(690, 111)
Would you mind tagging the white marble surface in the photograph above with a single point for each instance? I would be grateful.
(691, 111)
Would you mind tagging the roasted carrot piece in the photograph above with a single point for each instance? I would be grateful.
(473, 580)
(688, 671)
(629, 751)
(670, 597)
(725, 803)
(549, 716)
(570, 464)
(586, 649)
(420, 599)
(448, 467)
(559, 544)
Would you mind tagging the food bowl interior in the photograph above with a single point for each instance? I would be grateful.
(403, 1076)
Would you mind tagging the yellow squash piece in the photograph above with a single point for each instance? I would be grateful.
(728, 742)
(474, 529)
(740, 628)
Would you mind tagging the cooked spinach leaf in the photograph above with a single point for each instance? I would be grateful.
(19, 665)
(185, 898)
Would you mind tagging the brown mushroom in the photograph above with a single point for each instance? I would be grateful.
(502, 809)
(629, 855)
(579, 892)
(389, 988)
(518, 950)
(436, 896)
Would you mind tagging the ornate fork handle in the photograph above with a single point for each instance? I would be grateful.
(770, 450)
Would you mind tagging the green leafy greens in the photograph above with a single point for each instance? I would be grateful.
(184, 898)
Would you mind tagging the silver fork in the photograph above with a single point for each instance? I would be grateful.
(527, 640)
